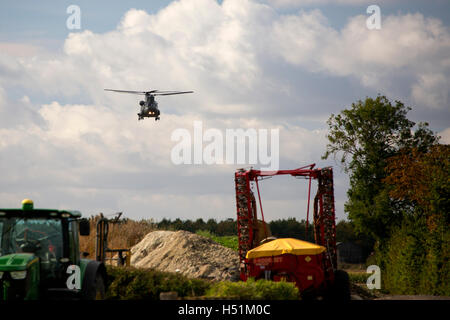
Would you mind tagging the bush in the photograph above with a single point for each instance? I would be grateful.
(416, 261)
(137, 284)
(254, 290)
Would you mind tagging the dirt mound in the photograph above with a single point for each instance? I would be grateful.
(190, 254)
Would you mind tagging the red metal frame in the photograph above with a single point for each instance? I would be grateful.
(324, 213)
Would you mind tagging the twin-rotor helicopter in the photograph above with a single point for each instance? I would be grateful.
(149, 107)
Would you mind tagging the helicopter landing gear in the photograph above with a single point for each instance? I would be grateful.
(156, 118)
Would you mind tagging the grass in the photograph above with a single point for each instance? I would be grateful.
(226, 241)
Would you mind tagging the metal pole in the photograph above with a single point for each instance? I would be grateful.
(260, 206)
(307, 209)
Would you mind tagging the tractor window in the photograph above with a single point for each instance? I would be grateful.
(36, 235)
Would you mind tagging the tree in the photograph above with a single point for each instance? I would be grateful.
(227, 227)
(417, 256)
(422, 181)
(291, 228)
(366, 135)
(211, 226)
(199, 224)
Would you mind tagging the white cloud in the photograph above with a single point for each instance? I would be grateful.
(408, 46)
(445, 136)
(19, 49)
(298, 38)
(432, 89)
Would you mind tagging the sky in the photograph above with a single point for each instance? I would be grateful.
(259, 64)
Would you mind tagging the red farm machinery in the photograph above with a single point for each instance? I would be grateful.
(312, 267)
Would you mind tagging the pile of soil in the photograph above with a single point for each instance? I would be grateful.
(190, 254)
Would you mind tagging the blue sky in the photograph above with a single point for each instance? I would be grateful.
(286, 64)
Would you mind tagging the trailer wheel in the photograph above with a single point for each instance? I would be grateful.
(341, 287)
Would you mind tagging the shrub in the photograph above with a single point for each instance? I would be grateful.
(254, 290)
(415, 260)
(137, 284)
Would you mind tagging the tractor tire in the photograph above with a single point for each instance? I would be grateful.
(97, 290)
(340, 290)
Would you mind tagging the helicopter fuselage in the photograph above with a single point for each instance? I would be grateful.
(149, 108)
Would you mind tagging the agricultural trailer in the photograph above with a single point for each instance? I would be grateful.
(312, 267)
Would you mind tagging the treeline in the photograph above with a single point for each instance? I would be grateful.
(226, 227)
(281, 228)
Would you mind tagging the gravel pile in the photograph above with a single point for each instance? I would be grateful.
(190, 254)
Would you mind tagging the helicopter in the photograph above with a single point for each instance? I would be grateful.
(149, 107)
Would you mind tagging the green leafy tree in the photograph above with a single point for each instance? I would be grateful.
(211, 225)
(291, 228)
(227, 227)
(199, 224)
(364, 137)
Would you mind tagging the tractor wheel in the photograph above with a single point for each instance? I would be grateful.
(341, 288)
(97, 291)
(99, 287)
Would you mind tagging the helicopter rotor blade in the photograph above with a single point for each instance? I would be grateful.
(169, 93)
(126, 91)
(152, 92)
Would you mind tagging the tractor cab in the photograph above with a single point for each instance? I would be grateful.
(39, 251)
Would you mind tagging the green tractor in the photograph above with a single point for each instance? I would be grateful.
(40, 257)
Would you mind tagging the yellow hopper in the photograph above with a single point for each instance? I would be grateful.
(283, 246)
